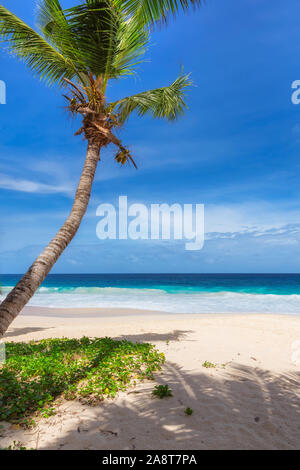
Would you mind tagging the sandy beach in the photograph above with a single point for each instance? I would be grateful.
(251, 400)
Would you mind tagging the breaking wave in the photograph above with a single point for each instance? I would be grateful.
(163, 299)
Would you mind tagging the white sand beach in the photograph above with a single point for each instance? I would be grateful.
(251, 400)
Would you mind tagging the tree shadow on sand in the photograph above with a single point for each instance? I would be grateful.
(239, 407)
(175, 335)
(22, 331)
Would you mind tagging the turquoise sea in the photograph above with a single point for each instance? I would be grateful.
(182, 293)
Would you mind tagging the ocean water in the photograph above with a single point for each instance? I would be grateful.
(174, 293)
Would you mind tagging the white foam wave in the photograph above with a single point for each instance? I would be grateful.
(152, 299)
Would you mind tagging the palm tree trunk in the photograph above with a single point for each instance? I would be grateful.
(31, 281)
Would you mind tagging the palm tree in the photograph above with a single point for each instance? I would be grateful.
(80, 49)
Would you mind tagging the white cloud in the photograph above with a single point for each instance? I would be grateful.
(28, 186)
(256, 217)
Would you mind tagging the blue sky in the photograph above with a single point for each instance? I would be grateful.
(236, 150)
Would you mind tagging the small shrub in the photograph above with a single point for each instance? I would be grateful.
(188, 411)
(162, 391)
(17, 445)
(209, 365)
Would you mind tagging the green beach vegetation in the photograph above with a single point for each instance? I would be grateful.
(162, 391)
(209, 365)
(39, 374)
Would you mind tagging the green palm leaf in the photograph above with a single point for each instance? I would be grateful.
(133, 41)
(50, 16)
(52, 22)
(102, 37)
(167, 102)
(42, 58)
(152, 11)
(94, 27)
(105, 41)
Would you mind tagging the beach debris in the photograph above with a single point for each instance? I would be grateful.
(133, 446)
(107, 431)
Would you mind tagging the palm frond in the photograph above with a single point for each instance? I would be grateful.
(94, 28)
(53, 24)
(95, 35)
(133, 41)
(49, 14)
(152, 11)
(40, 56)
(106, 42)
(167, 102)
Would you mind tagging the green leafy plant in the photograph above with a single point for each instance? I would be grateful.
(162, 391)
(188, 411)
(38, 373)
(17, 445)
(209, 365)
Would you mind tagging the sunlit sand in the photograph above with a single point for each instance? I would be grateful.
(250, 400)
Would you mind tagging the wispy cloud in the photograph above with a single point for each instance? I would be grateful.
(27, 186)
(285, 234)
